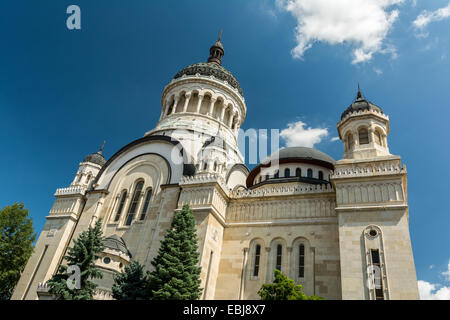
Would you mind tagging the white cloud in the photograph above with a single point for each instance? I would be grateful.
(429, 291)
(446, 274)
(427, 17)
(334, 139)
(378, 71)
(362, 24)
(297, 134)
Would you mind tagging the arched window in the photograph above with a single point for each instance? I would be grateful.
(279, 256)
(320, 175)
(301, 261)
(148, 196)
(215, 166)
(257, 258)
(88, 178)
(298, 172)
(134, 203)
(205, 166)
(378, 138)
(122, 200)
(310, 173)
(363, 136)
(277, 174)
(267, 177)
(287, 173)
(350, 142)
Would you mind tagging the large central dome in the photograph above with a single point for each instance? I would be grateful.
(211, 69)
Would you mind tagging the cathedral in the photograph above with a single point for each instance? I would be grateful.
(339, 228)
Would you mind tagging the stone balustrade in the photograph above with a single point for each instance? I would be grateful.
(70, 191)
(384, 169)
(282, 191)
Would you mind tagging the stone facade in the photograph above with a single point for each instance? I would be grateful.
(328, 225)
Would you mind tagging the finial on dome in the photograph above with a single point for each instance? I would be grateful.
(101, 149)
(359, 95)
(216, 51)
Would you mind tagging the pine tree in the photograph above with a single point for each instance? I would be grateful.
(83, 254)
(283, 288)
(177, 274)
(16, 246)
(131, 284)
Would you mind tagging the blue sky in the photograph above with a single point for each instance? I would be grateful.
(62, 92)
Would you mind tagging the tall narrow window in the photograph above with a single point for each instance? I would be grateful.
(375, 257)
(134, 203)
(310, 173)
(257, 258)
(320, 175)
(298, 172)
(287, 173)
(267, 177)
(121, 204)
(279, 256)
(276, 175)
(301, 261)
(363, 136)
(146, 202)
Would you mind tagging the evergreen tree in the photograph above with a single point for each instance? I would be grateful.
(131, 284)
(16, 246)
(83, 254)
(177, 274)
(283, 288)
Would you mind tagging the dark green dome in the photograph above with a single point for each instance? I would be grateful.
(298, 153)
(211, 69)
(96, 158)
(360, 104)
(116, 243)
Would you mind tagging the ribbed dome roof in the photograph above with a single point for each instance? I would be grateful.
(360, 104)
(96, 158)
(300, 153)
(211, 69)
(116, 243)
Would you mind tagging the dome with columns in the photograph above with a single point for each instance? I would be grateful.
(203, 107)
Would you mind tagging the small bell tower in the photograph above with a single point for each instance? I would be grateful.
(363, 129)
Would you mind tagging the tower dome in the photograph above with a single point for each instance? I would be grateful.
(360, 103)
(363, 129)
(203, 106)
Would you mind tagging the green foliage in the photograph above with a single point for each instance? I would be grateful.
(131, 284)
(83, 254)
(16, 246)
(283, 288)
(177, 274)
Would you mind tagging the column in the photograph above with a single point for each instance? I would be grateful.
(288, 262)
(371, 135)
(268, 266)
(166, 111)
(243, 274)
(211, 106)
(186, 101)
(175, 104)
(222, 114)
(199, 103)
(230, 121)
